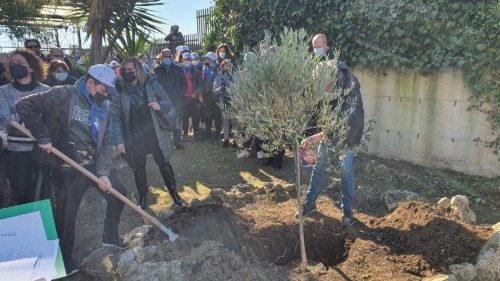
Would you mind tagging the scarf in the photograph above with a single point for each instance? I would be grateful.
(97, 113)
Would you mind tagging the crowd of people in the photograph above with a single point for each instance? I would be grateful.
(129, 108)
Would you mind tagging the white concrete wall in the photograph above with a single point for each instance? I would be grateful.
(425, 120)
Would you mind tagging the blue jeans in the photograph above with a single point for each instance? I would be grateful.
(318, 178)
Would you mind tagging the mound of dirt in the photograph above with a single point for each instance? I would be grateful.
(259, 241)
(426, 240)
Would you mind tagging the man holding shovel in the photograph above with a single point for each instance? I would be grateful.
(76, 120)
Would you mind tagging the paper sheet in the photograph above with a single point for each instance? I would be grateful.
(18, 270)
(22, 238)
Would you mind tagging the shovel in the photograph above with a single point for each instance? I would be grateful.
(171, 235)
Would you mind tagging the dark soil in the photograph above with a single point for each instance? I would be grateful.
(411, 242)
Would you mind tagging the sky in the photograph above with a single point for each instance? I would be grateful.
(182, 13)
(179, 12)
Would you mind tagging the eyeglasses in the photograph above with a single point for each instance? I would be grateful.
(33, 47)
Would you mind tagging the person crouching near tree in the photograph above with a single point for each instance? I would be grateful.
(76, 120)
(140, 118)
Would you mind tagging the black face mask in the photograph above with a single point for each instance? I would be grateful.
(99, 98)
(1, 69)
(129, 76)
(18, 71)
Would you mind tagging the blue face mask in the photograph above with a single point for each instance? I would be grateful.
(167, 61)
(61, 76)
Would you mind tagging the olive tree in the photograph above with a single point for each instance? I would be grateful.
(281, 96)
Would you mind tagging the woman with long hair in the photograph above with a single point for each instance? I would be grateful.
(26, 70)
(140, 117)
(223, 52)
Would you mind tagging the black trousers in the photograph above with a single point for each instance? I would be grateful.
(22, 172)
(213, 113)
(69, 188)
(190, 111)
(139, 168)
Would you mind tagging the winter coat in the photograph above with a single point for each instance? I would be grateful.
(173, 81)
(352, 104)
(208, 75)
(196, 80)
(47, 115)
(121, 118)
(174, 40)
(221, 84)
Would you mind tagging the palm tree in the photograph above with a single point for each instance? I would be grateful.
(111, 17)
(132, 44)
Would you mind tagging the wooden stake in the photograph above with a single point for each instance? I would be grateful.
(303, 264)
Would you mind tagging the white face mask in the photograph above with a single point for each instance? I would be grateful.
(186, 63)
(195, 62)
(222, 55)
(319, 52)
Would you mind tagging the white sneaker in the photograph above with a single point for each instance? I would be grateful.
(242, 154)
(260, 154)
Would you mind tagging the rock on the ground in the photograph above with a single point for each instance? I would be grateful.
(100, 264)
(488, 260)
(496, 227)
(393, 197)
(444, 204)
(138, 233)
(466, 215)
(442, 277)
(464, 271)
(146, 253)
(459, 201)
(461, 210)
(381, 171)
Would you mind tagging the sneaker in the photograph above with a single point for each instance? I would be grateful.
(242, 154)
(260, 154)
(114, 242)
(180, 146)
(347, 220)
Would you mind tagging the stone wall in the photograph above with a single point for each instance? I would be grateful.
(426, 120)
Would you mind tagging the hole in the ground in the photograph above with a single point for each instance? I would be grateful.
(278, 244)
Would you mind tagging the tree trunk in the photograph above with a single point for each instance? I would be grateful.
(303, 264)
(95, 48)
(79, 35)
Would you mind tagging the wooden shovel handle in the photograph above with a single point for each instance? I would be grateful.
(88, 174)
